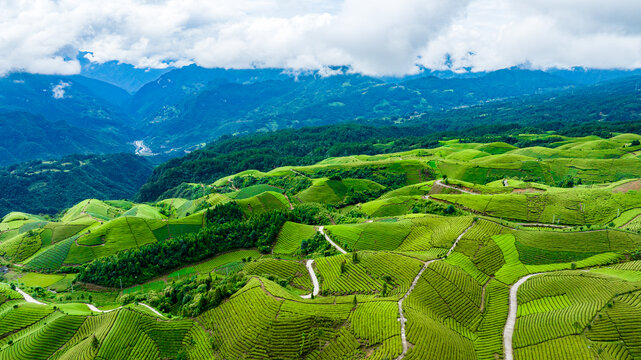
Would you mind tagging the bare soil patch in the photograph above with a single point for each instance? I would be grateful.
(629, 186)
(528, 190)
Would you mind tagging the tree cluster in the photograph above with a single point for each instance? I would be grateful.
(226, 228)
(192, 296)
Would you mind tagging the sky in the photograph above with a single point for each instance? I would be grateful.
(372, 37)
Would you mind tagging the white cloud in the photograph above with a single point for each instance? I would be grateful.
(495, 34)
(58, 91)
(372, 36)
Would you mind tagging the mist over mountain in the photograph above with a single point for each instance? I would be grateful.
(125, 76)
(78, 101)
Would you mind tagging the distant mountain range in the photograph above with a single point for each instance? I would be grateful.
(52, 116)
(124, 76)
(181, 110)
(191, 106)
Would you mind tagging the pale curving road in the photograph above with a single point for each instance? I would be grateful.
(320, 229)
(439, 182)
(28, 298)
(400, 309)
(152, 309)
(95, 309)
(508, 331)
(409, 291)
(312, 274)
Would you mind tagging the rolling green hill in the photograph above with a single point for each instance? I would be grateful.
(308, 146)
(461, 251)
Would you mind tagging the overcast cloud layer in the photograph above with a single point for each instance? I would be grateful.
(375, 37)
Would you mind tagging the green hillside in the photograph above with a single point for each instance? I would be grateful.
(462, 251)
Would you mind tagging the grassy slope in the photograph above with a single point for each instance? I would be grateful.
(457, 309)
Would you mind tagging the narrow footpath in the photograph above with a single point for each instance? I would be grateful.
(629, 222)
(400, 309)
(312, 274)
(28, 298)
(439, 182)
(508, 330)
(409, 291)
(320, 229)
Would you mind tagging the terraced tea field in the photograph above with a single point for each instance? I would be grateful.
(465, 251)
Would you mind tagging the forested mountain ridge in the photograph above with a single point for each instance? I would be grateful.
(50, 116)
(610, 101)
(27, 136)
(80, 102)
(46, 187)
(203, 111)
(222, 101)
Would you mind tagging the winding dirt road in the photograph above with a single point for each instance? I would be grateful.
(508, 330)
(320, 229)
(400, 309)
(439, 182)
(459, 238)
(310, 262)
(152, 309)
(409, 291)
(95, 309)
(28, 298)
(312, 274)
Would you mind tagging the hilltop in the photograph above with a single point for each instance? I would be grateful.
(477, 250)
